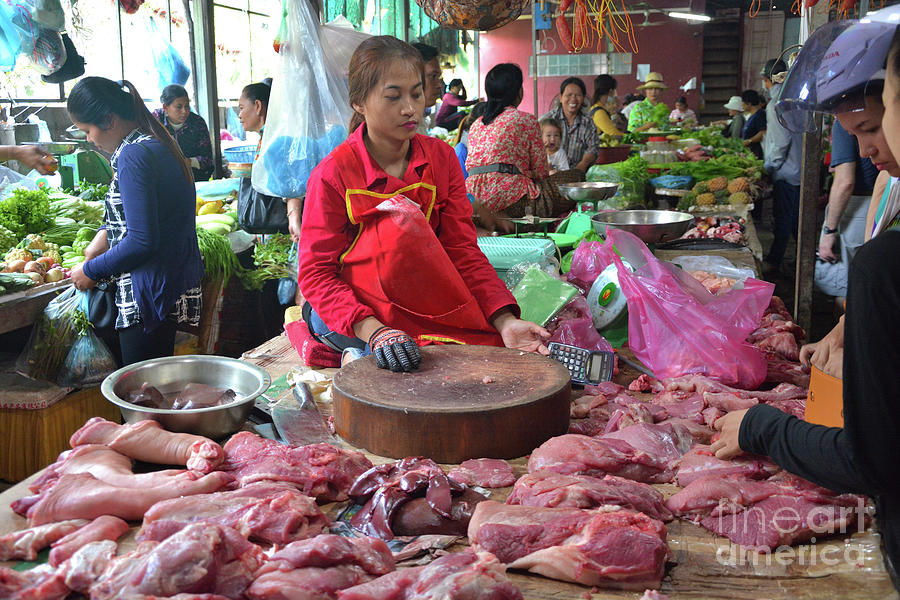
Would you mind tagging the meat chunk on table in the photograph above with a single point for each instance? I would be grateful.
(463, 575)
(318, 568)
(40, 583)
(102, 528)
(85, 567)
(318, 470)
(149, 442)
(699, 462)
(552, 490)
(26, 543)
(611, 548)
(483, 472)
(270, 513)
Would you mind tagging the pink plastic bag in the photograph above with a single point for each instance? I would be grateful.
(574, 326)
(676, 327)
(587, 264)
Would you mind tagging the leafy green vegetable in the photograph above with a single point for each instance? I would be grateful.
(7, 239)
(219, 259)
(93, 192)
(25, 211)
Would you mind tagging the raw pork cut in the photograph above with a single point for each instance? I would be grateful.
(101, 528)
(458, 576)
(108, 466)
(84, 567)
(26, 543)
(783, 371)
(611, 548)
(149, 442)
(766, 514)
(699, 462)
(727, 402)
(318, 470)
(40, 583)
(317, 568)
(641, 452)
(201, 558)
(551, 490)
(644, 383)
(702, 384)
(385, 488)
(484, 472)
(82, 496)
(771, 324)
(782, 343)
(270, 513)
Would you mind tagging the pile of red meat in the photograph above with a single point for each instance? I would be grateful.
(723, 228)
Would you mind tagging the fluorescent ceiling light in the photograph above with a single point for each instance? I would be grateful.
(689, 16)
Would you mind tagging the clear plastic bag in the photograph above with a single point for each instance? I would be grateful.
(309, 109)
(713, 264)
(54, 333)
(168, 64)
(516, 272)
(339, 42)
(48, 13)
(88, 362)
(676, 327)
(287, 286)
(12, 37)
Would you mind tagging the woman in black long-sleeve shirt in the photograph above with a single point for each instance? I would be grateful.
(861, 457)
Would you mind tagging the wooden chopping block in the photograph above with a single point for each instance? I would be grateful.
(463, 402)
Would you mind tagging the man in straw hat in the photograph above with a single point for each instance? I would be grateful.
(645, 115)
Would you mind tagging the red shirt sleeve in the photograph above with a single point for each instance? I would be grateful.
(456, 233)
(325, 234)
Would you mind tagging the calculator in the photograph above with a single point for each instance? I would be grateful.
(587, 367)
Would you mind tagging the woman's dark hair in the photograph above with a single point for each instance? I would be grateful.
(94, 100)
(171, 93)
(569, 81)
(427, 52)
(751, 97)
(681, 100)
(477, 111)
(502, 85)
(893, 57)
(603, 85)
(458, 82)
(370, 61)
(257, 91)
(267, 81)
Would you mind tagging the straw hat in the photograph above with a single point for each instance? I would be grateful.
(735, 103)
(654, 80)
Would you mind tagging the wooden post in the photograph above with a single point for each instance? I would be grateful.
(808, 234)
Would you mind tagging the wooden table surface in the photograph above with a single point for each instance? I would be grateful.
(21, 309)
(703, 566)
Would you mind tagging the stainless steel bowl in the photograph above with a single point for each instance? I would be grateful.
(651, 226)
(174, 372)
(587, 191)
(58, 148)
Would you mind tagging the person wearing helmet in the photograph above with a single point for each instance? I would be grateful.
(861, 456)
(782, 152)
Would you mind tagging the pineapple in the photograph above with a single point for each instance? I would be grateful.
(717, 183)
(700, 188)
(739, 198)
(706, 199)
(721, 196)
(738, 185)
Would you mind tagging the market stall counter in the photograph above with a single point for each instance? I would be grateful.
(700, 565)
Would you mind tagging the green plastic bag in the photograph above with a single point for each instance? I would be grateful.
(541, 296)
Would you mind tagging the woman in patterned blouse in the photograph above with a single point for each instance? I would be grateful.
(506, 161)
(148, 245)
(188, 128)
(580, 138)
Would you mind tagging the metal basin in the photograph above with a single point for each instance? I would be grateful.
(58, 148)
(587, 191)
(651, 226)
(173, 373)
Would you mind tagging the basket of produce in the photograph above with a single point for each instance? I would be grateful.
(651, 226)
(204, 395)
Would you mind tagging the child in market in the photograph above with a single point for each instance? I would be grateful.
(551, 136)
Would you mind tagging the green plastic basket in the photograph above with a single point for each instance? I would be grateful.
(504, 253)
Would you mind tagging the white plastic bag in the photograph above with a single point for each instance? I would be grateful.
(309, 109)
(339, 41)
(715, 265)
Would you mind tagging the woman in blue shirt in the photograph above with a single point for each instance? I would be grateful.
(157, 266)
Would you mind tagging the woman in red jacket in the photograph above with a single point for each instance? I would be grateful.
(388, 257)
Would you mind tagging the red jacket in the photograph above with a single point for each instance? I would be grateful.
(326, 232)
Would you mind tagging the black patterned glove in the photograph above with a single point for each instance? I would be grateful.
(394, 350)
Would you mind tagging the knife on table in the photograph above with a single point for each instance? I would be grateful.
(298, 420)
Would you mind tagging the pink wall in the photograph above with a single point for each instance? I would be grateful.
(674, 48)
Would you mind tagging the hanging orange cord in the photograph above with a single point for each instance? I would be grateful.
(758, 5)
(594, 21)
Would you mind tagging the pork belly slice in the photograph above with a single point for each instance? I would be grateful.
(102, 528)
(463, 575)
(484, 472)
(549, 490)
(699, 462)
(270, 513)
(762, 515)
(318, 470)
(82, 496)
(108, 466)
(26, 543)
(149, 442)
(611, 548)
(317, 568)
(40, 583)
(202, 558)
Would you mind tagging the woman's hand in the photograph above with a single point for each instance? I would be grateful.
(98, 245)
(521, 335)
(294, 212)
(729, 426)
(34, 157)
(80, 280)
(828, 354)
